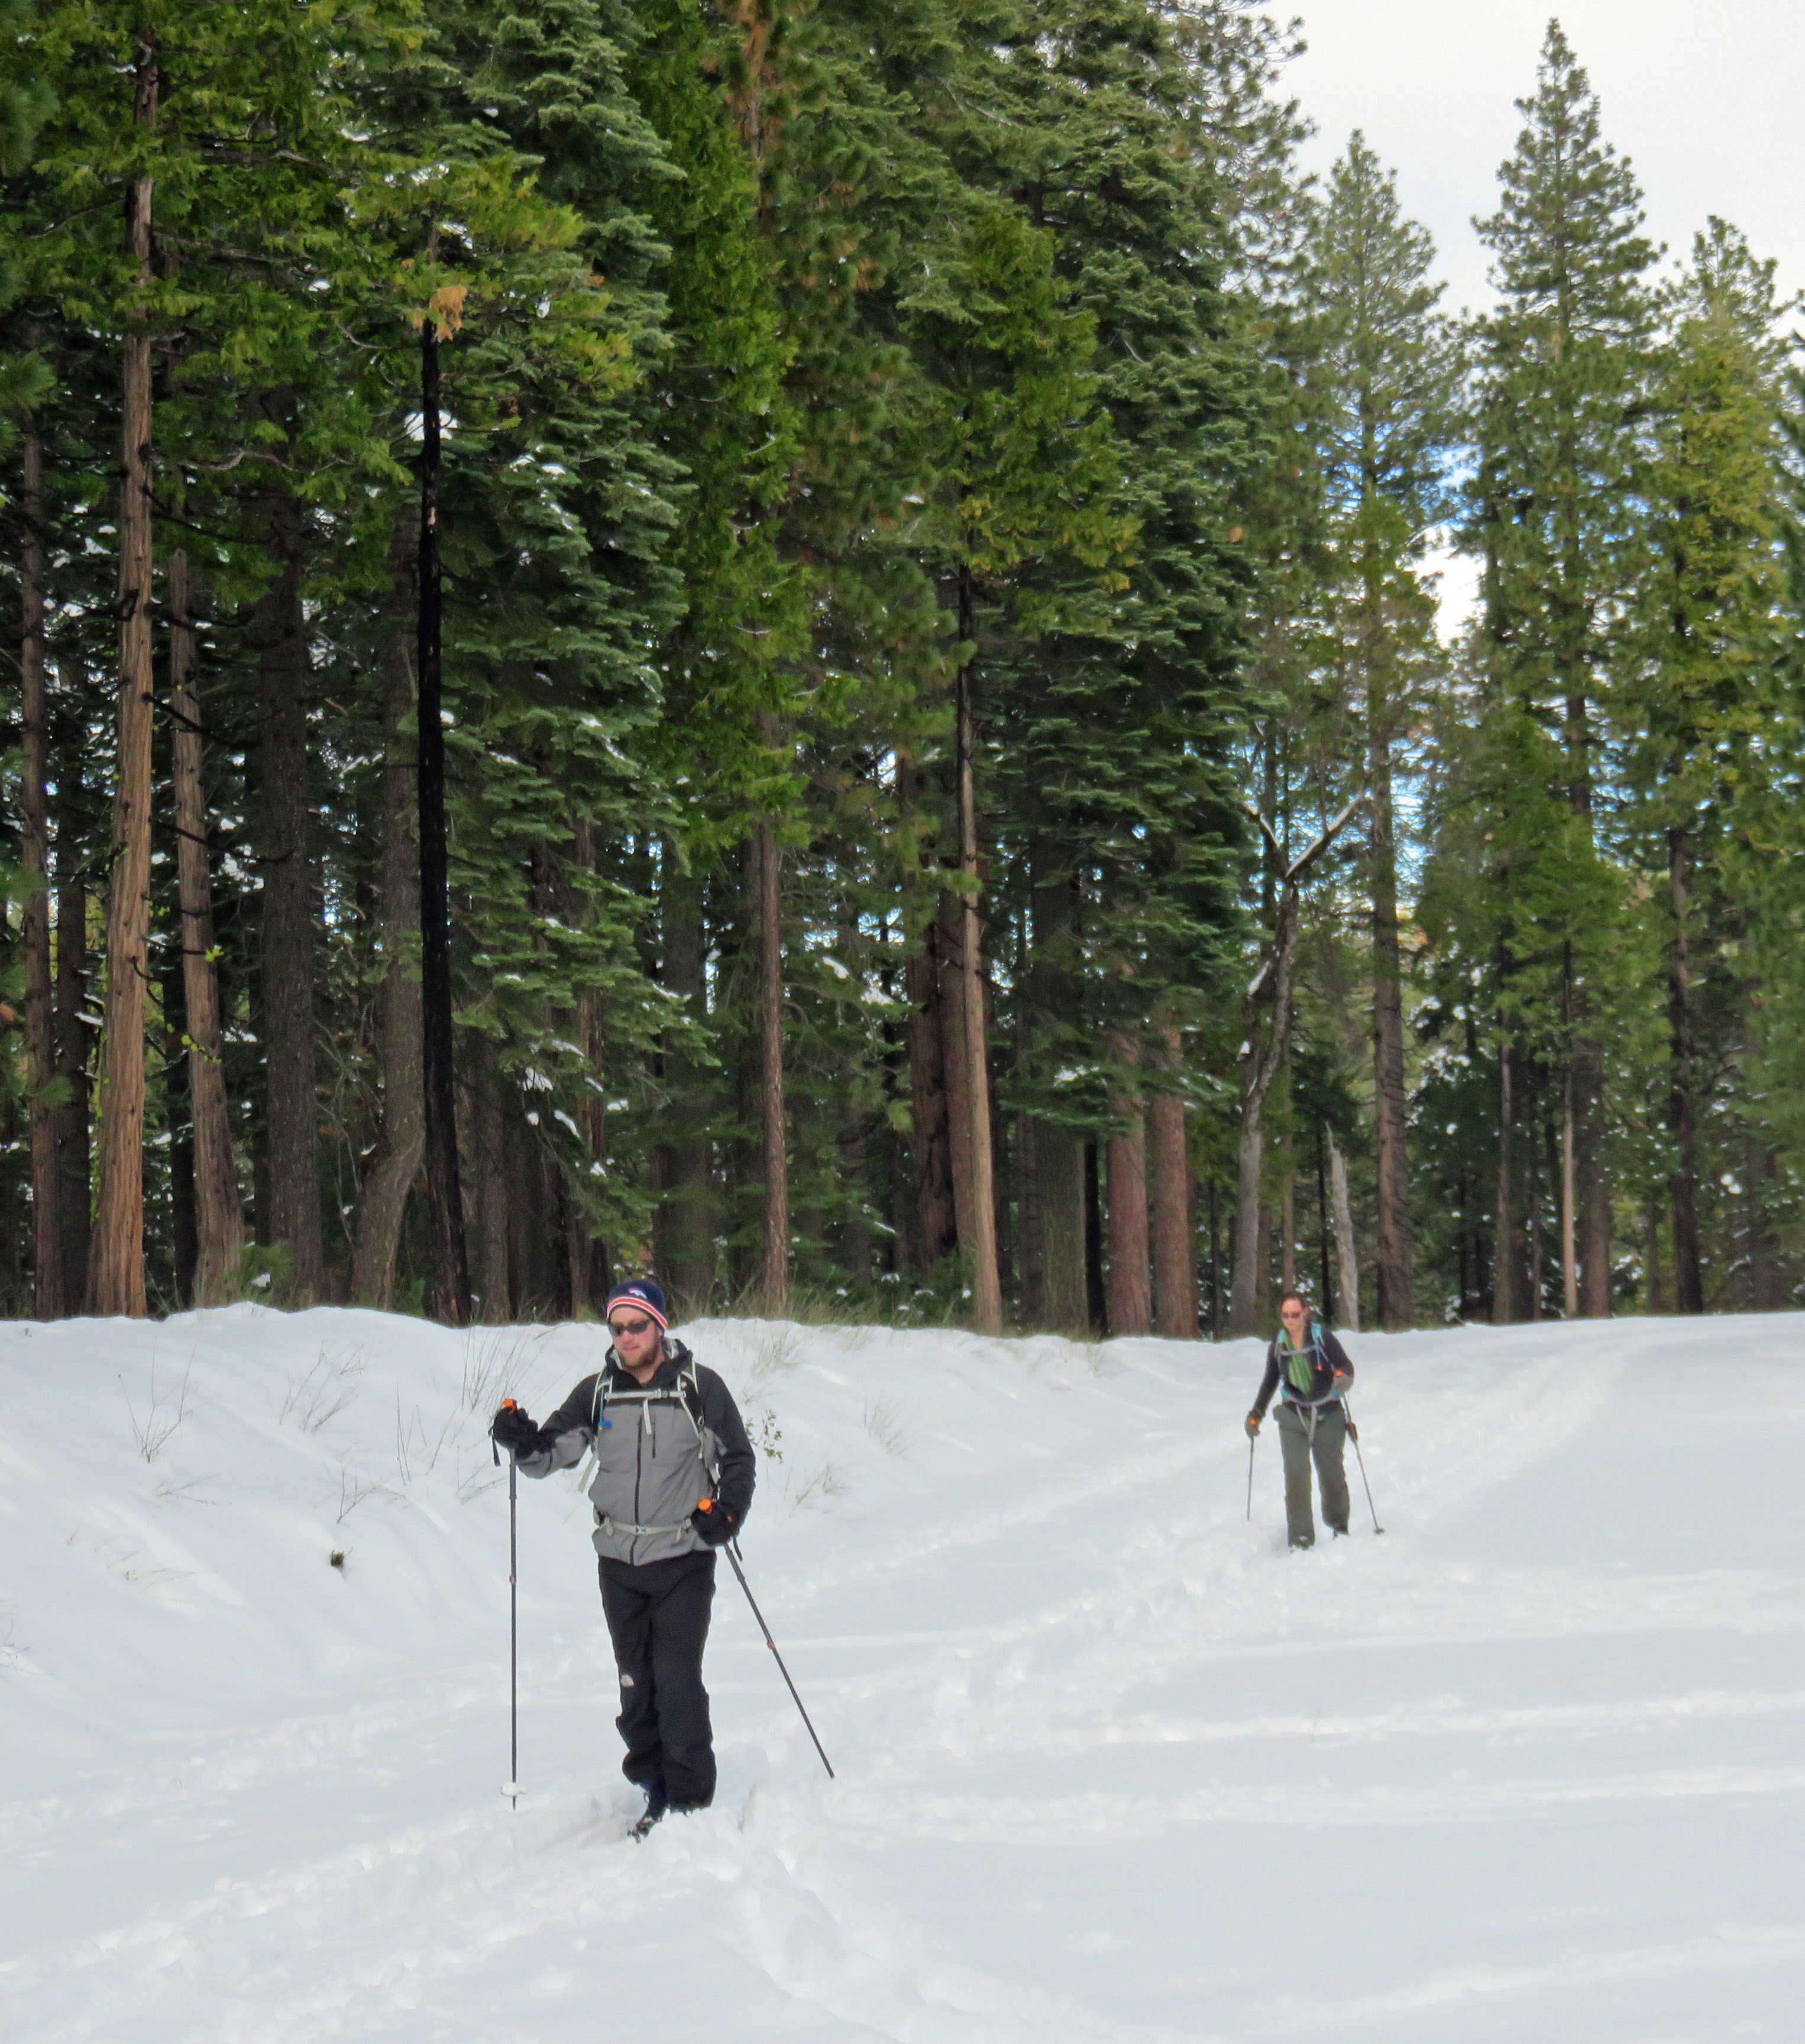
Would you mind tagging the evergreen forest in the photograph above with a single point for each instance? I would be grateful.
(797, 644)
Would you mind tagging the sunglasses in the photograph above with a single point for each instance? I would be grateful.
(629, 1327)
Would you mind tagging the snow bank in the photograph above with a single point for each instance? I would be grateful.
(1112, 1766)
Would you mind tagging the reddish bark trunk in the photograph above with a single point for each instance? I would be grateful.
(1131, 1297)
(116, 1277)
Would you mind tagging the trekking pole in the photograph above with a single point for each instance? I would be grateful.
(733, 1557)
(1249, 1479)
(511, 1788)
(1354, 1436)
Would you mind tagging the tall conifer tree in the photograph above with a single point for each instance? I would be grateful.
(1385, 369)
(1557, 513)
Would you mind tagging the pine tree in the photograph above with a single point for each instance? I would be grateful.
(1556, 515)
(1385, 368)
(1695, 711)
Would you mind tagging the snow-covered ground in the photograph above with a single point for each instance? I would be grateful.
(1112, 1766)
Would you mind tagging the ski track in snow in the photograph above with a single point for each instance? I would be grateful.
(1112, 1766)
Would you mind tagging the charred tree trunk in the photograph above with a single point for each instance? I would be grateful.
(49, 1302)
(981, 1246)
(219, 1210)
(1689, 1281)
(450, 1261)
(1131, 1299)
(395, 1163)
(116, 1277)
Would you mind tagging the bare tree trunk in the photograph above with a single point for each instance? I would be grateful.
(774, 1276)
(1653, 1301)
(48, 1301)
(591, 1275)
(1593, 1187)
(291, 908)
(586, 1281)
(1031, 1253)
(949, 952)
(219, 1210)
(438, 1061)
(1058, 1154)
(75, 1189)
(1244, 1273)
(1392, 1259)
(1174, 1261)
(1288, 1222)
(1130, 1300)
(1569, 1257)
(1532, 1204)
(116, 1277)
(487, 1138)
(684, 1225)
(1760, 1171)
(1347, 1267)
(394, 1165)
(1689, 1283)
(1258, 1068)
(1504, 1276)
(986, 1284)
(931, 1140)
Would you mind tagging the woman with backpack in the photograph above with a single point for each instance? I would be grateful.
(1310, 1369)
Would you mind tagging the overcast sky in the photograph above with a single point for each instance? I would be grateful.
(1704, 100)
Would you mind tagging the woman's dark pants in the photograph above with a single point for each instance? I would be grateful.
(1298, 1446)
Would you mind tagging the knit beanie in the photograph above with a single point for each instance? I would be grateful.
(646, 1292)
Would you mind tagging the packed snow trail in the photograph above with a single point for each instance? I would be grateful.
(1113, 1766)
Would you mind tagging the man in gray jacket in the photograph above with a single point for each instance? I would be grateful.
(674, 1478)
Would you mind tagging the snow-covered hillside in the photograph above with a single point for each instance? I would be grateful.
(1113, 1766)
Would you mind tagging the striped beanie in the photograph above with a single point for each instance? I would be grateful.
(646, 1292)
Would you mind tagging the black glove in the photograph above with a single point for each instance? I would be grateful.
(1252, 1425)
(713, 1521)
(512, 1429)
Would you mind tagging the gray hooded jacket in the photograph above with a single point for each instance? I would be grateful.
(658, 1452)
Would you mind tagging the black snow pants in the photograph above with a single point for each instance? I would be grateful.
(658, 1618)
(1298, 1440)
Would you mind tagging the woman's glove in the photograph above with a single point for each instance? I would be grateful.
(1253, 1424)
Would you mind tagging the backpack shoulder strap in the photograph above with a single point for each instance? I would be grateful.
(689, 1390)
